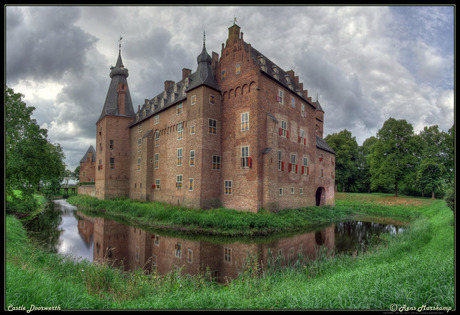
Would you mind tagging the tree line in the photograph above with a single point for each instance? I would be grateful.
(31, 160)
(396, 160)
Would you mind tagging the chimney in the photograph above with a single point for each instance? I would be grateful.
(168, 84)
(185, 73)
(291, 74)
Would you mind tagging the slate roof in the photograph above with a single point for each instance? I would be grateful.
(281, 77)
(321, 144)
(118, 74)
(177, 91)
(85, 157)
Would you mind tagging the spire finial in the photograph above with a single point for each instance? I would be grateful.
(119, 45)
(234, 19)
(204, 39)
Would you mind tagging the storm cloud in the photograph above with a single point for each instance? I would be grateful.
(364, 64)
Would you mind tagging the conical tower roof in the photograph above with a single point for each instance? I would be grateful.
(118, 73)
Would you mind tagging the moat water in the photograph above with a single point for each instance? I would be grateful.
(63, 229)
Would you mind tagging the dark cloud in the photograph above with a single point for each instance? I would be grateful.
(46, 44)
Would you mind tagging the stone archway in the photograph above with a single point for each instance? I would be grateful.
(320, 196)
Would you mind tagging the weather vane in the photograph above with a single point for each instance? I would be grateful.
(234, 19)
(119, 44)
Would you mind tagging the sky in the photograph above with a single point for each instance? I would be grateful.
(364, 64)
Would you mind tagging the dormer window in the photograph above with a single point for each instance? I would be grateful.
(187, 82)
(263, 66)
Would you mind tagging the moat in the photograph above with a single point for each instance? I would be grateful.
(63, 229)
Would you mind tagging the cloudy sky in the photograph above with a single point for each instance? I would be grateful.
(364, 63)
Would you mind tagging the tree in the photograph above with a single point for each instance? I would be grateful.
(434, 159)
(76, 172)
(30, 158)
(393, 156)
(346, 157)
(364, 174)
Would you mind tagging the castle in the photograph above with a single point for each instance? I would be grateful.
(238, 133)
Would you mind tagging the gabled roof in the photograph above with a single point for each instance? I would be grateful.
(321, 144)
(85, 157)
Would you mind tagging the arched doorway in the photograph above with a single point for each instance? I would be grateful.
(320, 196)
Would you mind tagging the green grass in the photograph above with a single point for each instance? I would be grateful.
(415, 268)
(222, 222)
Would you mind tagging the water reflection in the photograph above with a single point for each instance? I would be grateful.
(132, 248)
(64, 229)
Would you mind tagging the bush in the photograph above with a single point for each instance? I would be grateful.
(450, 199)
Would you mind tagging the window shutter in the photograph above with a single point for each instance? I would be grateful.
(153, 186)
(308, 170)
(282, 165)
(305, 141)
(290, 167)
(300, 139)
(278, 98)
(250, 162)
(303, 169)
(281, 131)
(296, 168)
(287, 133)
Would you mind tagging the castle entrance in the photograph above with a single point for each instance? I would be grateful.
(320, 196)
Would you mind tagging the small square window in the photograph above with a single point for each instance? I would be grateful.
(193, 100)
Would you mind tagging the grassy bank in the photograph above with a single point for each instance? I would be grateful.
(415, 269)
(222, 222)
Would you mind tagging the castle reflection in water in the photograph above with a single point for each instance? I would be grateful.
(134, 248)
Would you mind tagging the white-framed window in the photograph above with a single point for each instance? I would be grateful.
(305, 166)
(212, 126)
(138, 163)
(292, 190)
(227, 187)
(179, 181)
(156, 162)
(280, 190)
(139, 144)
(156, 119)
(157, 184)
(302, 135)
(244, 121)
(180, 131)
(283, 130)
(157, 138)
(302, 110)
(190, 184)
(179, 157)
(245, 159)
(280, 97)
(193, 100)
(83, 174)
(179, 109)
(192, 158)
(216, 162)
(300, 191)
(292, 165)
(192, 129)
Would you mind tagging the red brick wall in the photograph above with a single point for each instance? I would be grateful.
(112, 182)
(87, 169)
